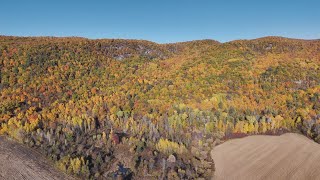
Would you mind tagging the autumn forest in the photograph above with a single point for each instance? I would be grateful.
(136, 109)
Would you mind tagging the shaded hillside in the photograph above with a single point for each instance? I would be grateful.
(85, 102)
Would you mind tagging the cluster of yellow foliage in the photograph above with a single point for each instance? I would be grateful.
(73, 165)
(168, 147)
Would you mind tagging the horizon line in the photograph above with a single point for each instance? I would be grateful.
(137, 39)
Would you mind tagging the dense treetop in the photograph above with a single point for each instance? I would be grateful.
(165, 94)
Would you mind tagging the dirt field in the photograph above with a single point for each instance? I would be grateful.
(20, 162)
(289, 156)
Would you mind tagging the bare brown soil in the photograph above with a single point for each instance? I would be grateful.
(20, 162)
(289, 156)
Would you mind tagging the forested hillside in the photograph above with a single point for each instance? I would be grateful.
(137, 109)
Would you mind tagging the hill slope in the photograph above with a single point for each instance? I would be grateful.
(85, 102)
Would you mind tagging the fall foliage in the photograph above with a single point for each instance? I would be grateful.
(84, 101)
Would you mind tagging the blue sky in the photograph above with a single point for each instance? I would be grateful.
(163, 20)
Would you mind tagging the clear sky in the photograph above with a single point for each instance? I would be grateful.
(162, 20)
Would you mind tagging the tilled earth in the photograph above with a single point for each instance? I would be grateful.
(289, 156)
(20, 162)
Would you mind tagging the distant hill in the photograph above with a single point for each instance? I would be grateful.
(138, 109)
